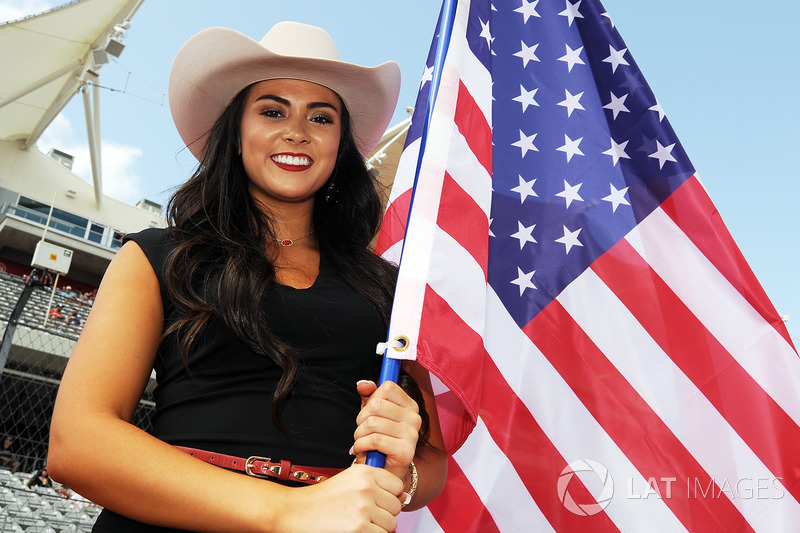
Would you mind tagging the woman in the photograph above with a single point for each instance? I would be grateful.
(259, 308)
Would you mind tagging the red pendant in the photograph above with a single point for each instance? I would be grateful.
(286, 242)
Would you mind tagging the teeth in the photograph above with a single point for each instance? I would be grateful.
(291, 160)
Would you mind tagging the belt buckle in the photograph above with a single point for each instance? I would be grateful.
(248, 467)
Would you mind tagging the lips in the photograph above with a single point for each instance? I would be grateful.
(292, 162)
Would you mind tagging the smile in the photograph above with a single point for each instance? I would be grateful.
(292, 162)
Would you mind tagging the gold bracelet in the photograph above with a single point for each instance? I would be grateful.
(414, 480)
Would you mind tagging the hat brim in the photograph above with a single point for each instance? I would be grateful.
(217, 63)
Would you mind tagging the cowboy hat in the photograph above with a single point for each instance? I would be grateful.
(217, 63)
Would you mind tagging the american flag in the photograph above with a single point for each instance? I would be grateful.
(608, 361)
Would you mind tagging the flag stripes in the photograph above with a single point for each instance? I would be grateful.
(720, 378)
(664, 361)
(691, 208)
(657, 454)
(471, 122)
(460, 509)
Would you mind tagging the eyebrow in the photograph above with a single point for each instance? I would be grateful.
(284, 101)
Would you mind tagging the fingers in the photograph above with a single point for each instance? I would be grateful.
(365, 389)
(389, 422)
(383, 400)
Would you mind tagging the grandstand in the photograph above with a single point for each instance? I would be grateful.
(46, 59)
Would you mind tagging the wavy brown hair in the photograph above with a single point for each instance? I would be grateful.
(219, 267)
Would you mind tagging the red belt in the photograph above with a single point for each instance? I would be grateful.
(264, 467)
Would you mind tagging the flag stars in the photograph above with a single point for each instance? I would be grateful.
(528, 9)
(606, 15)
(572, 102)
(657, 109)
(572, 58)
(569, 240)
(570, 193)
(663, 154)
(617, 198)
(572, 12)
(570, 147)
(486, 34)
(617, 151)
(526, 98)
(525, 143)
(617, 105)
(524, 234)
(524, 281)
(616, 58)
(525, 189)
(528, 53)
(426, 76)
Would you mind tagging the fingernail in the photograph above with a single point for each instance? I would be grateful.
(352, 451)
(360, 381)
(406, 498)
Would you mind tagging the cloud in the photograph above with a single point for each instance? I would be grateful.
(17, 9)
(120, 180)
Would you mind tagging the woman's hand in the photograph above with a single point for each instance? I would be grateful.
(359, 499)
(389, 422)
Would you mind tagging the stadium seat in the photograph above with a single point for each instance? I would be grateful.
(17, 509)
(8, 525)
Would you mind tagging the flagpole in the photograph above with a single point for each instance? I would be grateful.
(390, 368)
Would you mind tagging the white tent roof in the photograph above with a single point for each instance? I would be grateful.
(45, 59)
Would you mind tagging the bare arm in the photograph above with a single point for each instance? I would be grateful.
(97, 451)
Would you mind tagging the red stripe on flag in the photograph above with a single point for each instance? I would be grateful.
(393, 227)
(443, 332)
(535, 458)
(462, 219)
(513, 428)
(692, 210)
(472, 124)
(459, 508)
(752, 413)
(641, 435)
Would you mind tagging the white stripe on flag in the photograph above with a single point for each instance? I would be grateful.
(409, 296)
(667, 390)
(498, 485)
(569, 426)
(467, 171)
(421, 521)
(467, 296)
(726, 314)
(406, 168)
(478, 82)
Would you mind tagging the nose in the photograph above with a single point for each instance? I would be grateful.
(296, 130)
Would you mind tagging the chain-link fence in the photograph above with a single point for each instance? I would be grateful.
(33, 354)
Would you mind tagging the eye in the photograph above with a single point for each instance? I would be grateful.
(271, 112)
(322, 118)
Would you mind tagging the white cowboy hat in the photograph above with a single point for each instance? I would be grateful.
(217, 63)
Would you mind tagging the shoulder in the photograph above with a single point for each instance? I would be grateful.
(151, 237)
(156, 244)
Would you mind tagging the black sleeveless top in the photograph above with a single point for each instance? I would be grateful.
(223, 404)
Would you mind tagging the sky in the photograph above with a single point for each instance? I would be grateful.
(724, 71)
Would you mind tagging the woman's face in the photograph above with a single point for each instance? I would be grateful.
(289, 139)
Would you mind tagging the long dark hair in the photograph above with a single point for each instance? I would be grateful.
(219, 268)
